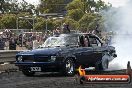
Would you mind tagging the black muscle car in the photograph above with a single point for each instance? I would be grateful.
(65, 53)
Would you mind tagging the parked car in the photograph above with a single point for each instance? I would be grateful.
(65, 53)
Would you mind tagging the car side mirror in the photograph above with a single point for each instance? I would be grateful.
(115, 55)
(102, 44)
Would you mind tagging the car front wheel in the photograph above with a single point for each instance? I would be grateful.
(69, 67)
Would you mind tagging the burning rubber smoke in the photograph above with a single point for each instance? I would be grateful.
(121, 25)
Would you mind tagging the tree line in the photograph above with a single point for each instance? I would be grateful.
(79, 14)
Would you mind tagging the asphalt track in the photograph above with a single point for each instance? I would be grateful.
(48, 80)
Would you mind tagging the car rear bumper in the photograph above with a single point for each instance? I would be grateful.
(45, 66)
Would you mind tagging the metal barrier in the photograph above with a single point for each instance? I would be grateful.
(8, 55)
(7, 59)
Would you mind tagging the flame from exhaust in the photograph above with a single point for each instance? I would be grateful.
(81, 71)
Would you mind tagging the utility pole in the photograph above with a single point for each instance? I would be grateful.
(84, 6)
(33, 23)
(46, 24)
(17, 23)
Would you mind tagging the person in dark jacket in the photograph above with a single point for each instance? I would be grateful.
(65, 28)
(2, 44)
(56, 31)
(12, 44)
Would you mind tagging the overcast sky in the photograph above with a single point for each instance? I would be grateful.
(115, 3)
(35, 2)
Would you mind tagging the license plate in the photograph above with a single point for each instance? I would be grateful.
(35, 68)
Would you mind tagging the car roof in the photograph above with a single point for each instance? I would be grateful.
(77, 34)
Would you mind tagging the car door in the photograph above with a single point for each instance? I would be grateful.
(84, 54)
(97, 48)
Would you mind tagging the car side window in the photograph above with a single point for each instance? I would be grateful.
(99, 43)
(84, 41)
(81, 41)
(93, 41)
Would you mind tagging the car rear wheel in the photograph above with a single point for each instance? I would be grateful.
(104, 63)
(28, 73)
(69, 67)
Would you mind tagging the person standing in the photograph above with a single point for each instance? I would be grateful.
(6, 44)
(56, 31)
(2, 43)
(37, 42)
(12, 44)
(65, 28)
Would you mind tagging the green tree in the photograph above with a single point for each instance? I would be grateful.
(75, 11)
(73, 25)
(90, 21)
(25, 21)
(75, 14)
(0, 22)
(4, 6)
(26, 7)
(75, 4)
(8, 21)
(89, 5)
(9, 6)
(52, 6)
(57, 23)
(12, 6)
(94, 5)
(100, 5)
(86, 13)
(41, 23)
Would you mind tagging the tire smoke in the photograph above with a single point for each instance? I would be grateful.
(119, 20)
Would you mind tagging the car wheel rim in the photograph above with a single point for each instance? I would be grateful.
(69, 66)
(105, 62)
(105, 65)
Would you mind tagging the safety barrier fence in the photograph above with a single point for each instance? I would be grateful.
(7, 59)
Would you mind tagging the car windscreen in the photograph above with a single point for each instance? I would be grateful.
(60, 41)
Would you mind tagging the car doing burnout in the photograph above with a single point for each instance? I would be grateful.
(65, 53)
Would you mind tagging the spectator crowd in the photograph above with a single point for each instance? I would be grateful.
(10, 40)
(27, 40)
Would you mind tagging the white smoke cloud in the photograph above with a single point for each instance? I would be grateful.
(121, 24)
(34, 2)
(117, 3)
